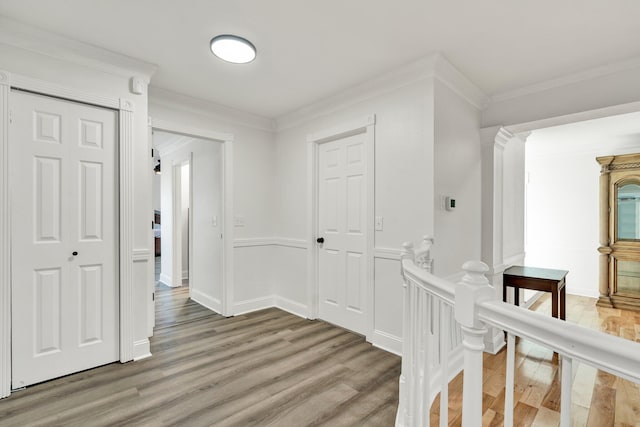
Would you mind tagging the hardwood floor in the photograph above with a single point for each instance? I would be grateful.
(598, 399)
(273, 368)
(264, 368)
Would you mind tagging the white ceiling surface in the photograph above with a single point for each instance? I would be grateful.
(309, 50)
(598, 135)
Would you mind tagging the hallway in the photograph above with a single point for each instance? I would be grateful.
(264, 368)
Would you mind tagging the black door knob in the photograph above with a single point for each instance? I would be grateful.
(74, 253)
(320, 240)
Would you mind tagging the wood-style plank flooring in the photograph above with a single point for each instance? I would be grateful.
(264, 368)
(598, 399)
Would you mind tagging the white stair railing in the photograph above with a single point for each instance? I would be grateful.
(432, 341)
(474, 304)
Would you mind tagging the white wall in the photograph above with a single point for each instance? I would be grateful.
(562, 194)
(403, 192)
(457, 174)
(90, 79)
(253, 182)
(205, 174)
(513, 200)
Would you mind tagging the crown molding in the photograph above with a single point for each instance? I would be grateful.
(449, 75)
(567, 80)
(177, 101)
(434, 66)
(34, 39)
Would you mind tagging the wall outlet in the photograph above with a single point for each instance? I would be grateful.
(239, 221)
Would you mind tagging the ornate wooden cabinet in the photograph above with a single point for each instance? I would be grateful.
(620, 231)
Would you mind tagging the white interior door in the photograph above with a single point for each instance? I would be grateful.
(64, 237)
(342, 223)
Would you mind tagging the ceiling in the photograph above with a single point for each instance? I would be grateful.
(309, 50)
(606, 136)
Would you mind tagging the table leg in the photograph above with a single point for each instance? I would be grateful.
(554, 301)
(516, 295)
(563, 302)
(504, 292)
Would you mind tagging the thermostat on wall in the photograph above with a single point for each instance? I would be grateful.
(449, 203)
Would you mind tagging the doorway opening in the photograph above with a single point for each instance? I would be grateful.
(189, 209)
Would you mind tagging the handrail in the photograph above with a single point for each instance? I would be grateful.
(606, 352)
(439, 287)
(475, 305)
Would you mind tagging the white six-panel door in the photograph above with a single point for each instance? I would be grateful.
(64, 237)
(342, 223)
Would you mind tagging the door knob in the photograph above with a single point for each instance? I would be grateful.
(320, 240)
(74, 253)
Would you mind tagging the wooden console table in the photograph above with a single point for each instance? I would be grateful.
(537, 279)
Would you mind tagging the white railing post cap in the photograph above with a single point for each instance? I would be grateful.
(472, 289)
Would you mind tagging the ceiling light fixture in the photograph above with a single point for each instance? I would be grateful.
(233, 49)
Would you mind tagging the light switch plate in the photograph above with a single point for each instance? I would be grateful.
(379, 223)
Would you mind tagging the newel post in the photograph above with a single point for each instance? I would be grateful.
(470, 291)
(404, 410)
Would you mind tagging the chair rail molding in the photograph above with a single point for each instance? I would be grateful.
(126, 201)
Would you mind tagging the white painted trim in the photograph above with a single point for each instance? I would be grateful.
(270, 241)
(353, 127)
(581, 116)
(255, 304)
(388, 253)
(5, 240)
(166, 98)
(126, 214)
(589, 293)
(253, 242)
(387, 342)
(228, 227)
(31, 38)
(52, 89)
(451, 77)
(291, 306)
(364, 125)
(226, 305)
(206, 301)
(514, 259)
(174, 127)
(141, 349)
(166, 280)
(593, 73)
(434, 66)
(127, 196)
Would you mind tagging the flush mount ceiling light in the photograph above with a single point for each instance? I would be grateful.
(233, 49)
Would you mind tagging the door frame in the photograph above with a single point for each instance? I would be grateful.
(227, 199)
(128, 255)
(364, 125)
(177, 219)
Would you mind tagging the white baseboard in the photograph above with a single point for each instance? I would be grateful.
(255, 304)
(166, 280)
(387, 342)
(584, 293)
(141, 349)
(185, 274)
(204, 300)
(293, 307)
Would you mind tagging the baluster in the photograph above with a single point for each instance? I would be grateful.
(473, 288)
(509, 381)
(565, 392)
(407, 350)
(444, 364)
